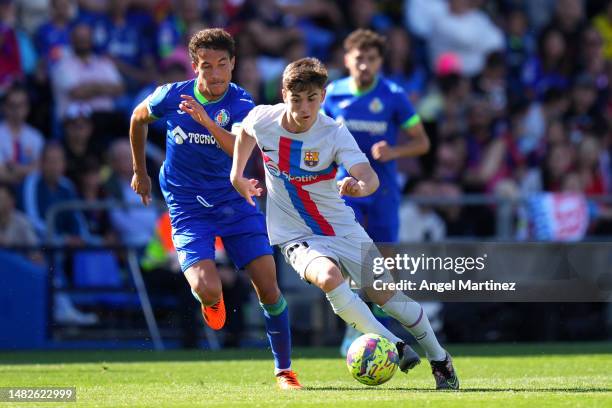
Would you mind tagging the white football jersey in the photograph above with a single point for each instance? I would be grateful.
(303, 197)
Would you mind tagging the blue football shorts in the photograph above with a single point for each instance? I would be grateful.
(241, 227)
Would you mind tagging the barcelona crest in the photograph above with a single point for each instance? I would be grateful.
(311, 158)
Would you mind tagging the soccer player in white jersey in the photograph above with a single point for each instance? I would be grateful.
(306, 216)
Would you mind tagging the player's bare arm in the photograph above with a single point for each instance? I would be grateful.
(242, 151)
(362, 183)
(196, 111)
(141, 182)
(418, 144)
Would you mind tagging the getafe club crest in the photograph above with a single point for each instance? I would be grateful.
(311, 158)
(222, 117)
(376, 105)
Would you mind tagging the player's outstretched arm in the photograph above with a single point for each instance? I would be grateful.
(242, 151)
(363, 181)
(196, 111)
(141, 182)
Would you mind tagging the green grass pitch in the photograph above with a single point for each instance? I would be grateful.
(542, 375)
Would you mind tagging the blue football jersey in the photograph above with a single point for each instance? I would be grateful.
(195, 164)
(372, 116)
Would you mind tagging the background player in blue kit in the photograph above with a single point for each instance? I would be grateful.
(376, 111)
(200, 115)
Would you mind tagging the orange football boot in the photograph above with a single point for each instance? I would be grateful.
(214, 315)
(287, 380)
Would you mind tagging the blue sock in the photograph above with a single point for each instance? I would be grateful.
(279, 333)
(381, 316)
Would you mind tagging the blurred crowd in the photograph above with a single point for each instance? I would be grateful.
(514, 94)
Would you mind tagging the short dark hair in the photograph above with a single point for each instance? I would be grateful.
(362, 39)
(214, 39)
(304, 74)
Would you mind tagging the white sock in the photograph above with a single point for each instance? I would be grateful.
(356, 313)
(412, 316)
(277, 371)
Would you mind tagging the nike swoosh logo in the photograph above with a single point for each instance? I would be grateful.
(265, 150)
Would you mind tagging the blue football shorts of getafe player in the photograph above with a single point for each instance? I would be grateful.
(200, 115)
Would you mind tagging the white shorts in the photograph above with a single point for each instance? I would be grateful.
(349, 253)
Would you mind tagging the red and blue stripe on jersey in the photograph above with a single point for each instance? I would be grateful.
(295, 178)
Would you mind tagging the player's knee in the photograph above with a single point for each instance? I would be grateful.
(269, 295)
(329, 278)
(379, 297)
(208, 291)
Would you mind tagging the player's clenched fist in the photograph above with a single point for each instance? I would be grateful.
(349, 186)
(195, 110)
(141, 184)
(382, 152)
(247, 188)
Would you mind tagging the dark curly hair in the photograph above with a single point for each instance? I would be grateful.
(214, 39)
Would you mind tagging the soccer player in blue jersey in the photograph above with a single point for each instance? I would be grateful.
(200, 116)
(377, 112)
